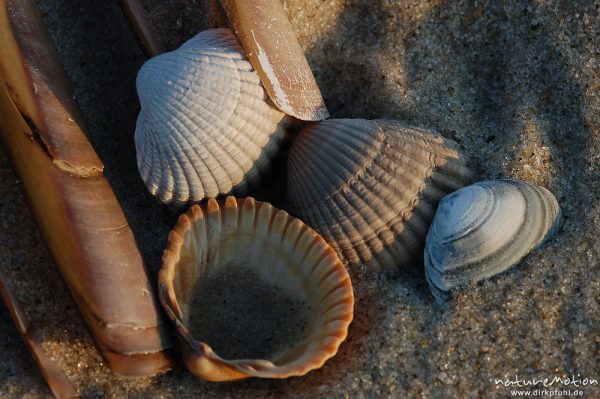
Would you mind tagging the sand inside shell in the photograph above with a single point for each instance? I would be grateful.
(241, 316)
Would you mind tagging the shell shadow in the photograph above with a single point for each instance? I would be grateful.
(492, 67)
(512, 97)
(331, 59)
(499, 80)
(503, 72)
(461, 72)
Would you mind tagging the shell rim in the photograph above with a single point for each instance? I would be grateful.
(243, 368)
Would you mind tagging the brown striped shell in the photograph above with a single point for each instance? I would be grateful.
(370, 188)
(253, 237)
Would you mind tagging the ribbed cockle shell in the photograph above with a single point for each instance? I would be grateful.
(205, 127)
(483, 229)
(257, 240)
(371, 187)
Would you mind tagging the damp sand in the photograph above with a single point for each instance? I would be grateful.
(174, 28)
(516, 84)
(243, 317)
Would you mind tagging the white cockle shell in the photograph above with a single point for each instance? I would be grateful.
(484, 229)
(370, 188)
(205, 127)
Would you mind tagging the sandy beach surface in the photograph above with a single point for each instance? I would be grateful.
(515, 83)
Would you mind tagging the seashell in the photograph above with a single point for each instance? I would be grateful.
(370, 188)
(273, 49)
(136, 17)
(267, 246)
(204, 126)
(84, 226)
(484, 229)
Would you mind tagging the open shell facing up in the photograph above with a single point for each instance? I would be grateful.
(484, 229)
(259, 242)
(370, 188)
(205, 127)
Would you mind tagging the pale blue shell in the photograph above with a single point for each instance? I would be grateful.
(484, 229)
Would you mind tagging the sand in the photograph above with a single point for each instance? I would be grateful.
(241, 316)
(516, 84)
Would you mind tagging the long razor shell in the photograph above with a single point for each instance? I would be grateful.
(155, 35)
(371, 187)
(273, 49)
(134, 12)
(57, 379)
(204, 127)
(257, 238)
(78, 213)
(484, 229)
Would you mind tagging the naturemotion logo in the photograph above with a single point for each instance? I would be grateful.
(558, 386)
(547, 382)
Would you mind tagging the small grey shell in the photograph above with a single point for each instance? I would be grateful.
(483, 229)
(370, 188)
(205, 127)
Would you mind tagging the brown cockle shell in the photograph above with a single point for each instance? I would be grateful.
(254, 237)
(370, 188)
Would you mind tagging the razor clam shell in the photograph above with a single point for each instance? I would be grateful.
(43, 132)
(371, 187)
(205, 127)
(484, 229)
(282, 251)
(273, 49)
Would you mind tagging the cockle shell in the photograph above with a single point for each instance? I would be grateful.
(254, 237)
(205, 127)
(371, 187)
(483, 229)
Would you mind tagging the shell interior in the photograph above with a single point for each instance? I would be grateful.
(205, 127)
(371, 187)
(276, 255)
(484, 229)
